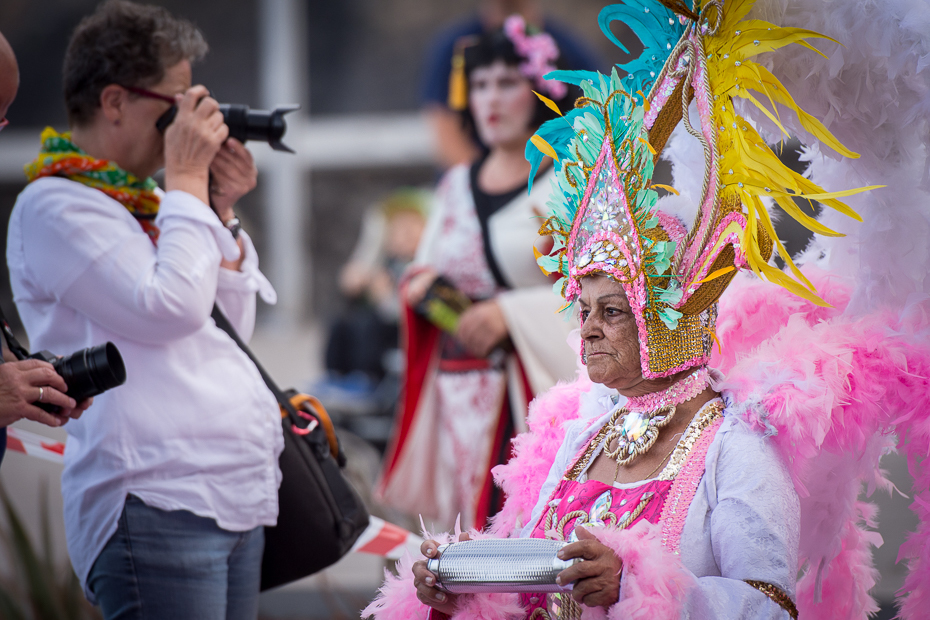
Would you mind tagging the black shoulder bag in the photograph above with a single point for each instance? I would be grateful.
(320, 515)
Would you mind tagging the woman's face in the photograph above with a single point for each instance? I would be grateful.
(502, 103)
(609, 334)
(145, 152)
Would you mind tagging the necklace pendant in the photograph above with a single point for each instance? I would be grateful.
(634, 426)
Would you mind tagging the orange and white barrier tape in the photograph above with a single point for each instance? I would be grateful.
(379, 538)
(387, 540)
(33, 444)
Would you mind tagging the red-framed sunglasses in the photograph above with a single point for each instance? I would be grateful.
(149, 94)
(165, 119)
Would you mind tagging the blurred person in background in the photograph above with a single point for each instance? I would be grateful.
(466, 389)
(453, 143)
(25, 383)
(364, 336)
(168, 486)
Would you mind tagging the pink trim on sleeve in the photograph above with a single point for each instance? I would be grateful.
(675, 510)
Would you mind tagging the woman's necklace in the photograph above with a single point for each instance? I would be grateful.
(662, 462)
(636, 426)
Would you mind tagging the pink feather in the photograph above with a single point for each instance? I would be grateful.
(832, 389)
(653, 583)
(522, 477)
(397, 598)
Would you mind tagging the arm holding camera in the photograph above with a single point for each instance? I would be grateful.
(232, 175)
(192, 142)
(200, 155)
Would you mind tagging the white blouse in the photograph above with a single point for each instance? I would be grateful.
(744, 521)
(194, 427)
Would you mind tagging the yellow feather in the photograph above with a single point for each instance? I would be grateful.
(544, 147)
(811, 124)
(538, 255)
(770, 229)
(791, 208)
(713, 335)
(842, 193)
(648, 146)
(549, 103)
(667, 188)
(716, 274)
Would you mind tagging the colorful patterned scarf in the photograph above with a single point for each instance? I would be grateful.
(60, 157)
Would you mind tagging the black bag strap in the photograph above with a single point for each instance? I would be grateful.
(17, 349)
(223, 323)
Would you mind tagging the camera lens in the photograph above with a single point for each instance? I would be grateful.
(92, 371)
(262, 125)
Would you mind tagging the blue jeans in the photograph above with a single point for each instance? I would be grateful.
(177, 566)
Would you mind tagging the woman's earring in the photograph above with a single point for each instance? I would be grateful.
(584, 356)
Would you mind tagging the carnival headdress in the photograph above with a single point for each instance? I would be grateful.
(607, 218)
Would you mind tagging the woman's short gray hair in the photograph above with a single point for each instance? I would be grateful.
(124, 43)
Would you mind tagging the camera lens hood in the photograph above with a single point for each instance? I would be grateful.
(260, 125)
(246, 124)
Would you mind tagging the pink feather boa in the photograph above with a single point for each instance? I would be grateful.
(653, 583)
(834, 390)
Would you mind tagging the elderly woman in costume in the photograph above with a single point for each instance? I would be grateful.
(168, 486)
(666, 486)
(466, 389)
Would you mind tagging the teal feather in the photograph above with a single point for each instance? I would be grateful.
(574, 78)
(658, 30)
(558, 132)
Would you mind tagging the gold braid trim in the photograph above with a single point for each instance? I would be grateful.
(704, 417)
(778, 596)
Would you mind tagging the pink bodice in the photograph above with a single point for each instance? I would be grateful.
(593, 503)
(663, 500)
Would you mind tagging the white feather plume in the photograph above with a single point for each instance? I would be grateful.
(873, 93)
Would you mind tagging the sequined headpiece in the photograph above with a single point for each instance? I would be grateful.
(607, 219)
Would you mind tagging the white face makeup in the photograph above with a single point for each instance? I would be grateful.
(502, 103)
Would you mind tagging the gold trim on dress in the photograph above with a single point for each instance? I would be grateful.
(705, 416)
(777, 595)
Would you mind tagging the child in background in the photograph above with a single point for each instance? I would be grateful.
(362, 357)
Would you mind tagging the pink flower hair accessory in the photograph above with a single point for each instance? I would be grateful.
(540, 52)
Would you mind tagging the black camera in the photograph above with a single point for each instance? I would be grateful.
(88, 372)
(246, 124)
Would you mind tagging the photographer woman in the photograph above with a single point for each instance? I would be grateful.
(167, 486)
